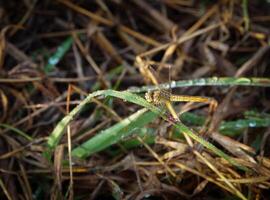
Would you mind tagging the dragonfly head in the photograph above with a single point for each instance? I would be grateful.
(153, 97)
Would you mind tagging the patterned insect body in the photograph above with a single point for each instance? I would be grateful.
(157, 97)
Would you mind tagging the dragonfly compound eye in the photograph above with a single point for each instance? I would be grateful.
(148, 97)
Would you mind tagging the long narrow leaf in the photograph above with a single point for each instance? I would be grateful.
(214, 81)
(114, 134)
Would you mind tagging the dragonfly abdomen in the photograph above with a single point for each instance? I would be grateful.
(183, 98)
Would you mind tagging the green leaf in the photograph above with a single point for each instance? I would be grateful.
(58, 55)
(114, 134)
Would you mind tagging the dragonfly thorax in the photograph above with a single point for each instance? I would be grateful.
(157, 97)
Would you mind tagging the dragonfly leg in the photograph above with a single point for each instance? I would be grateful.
(204, 132)
(172, 119)
(211, 110)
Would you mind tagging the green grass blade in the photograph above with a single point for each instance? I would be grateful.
(229, 128)
(114, 134)
(19, 132)
(184, 129)
(146, 134)
(245, 14)
(57, 56)
(214, 81)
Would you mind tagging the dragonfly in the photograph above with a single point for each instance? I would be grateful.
(165, 97)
